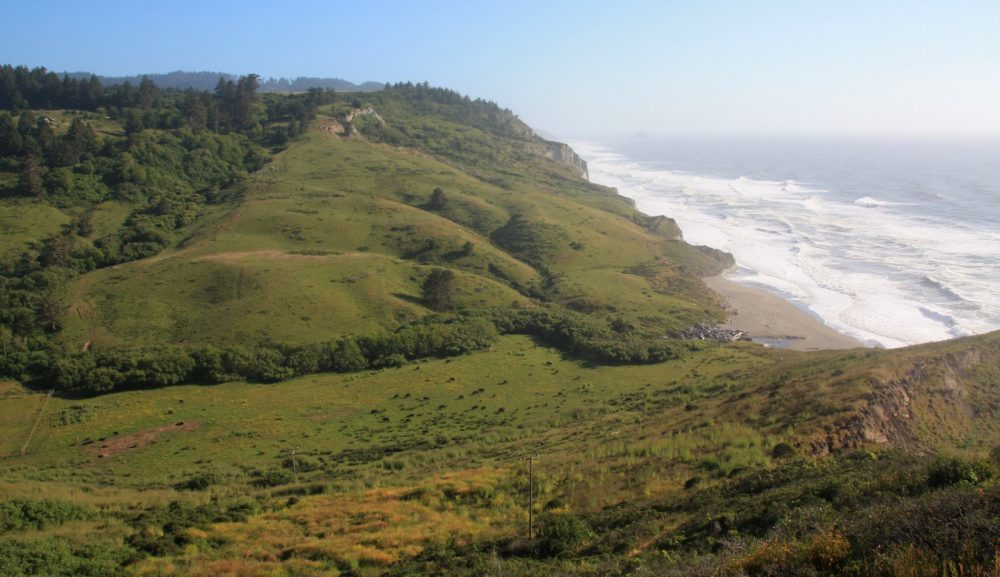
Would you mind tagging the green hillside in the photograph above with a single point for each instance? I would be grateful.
(330, 209)
(640, 461)
(320, 334)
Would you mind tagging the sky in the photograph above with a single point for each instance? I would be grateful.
(572, 68)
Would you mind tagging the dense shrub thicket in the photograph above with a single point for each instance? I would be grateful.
(156, 531)
(855, 516)
(20, 514)
(106, 370)
(57, 557)
(588, 338)
(103, 370)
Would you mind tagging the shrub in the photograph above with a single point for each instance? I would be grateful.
(262, 364)
(19, 514)
(201, 481)
(305, 360)
(56, 557)
(345, 356)
(954, 523)
(210, 366)
(273, 478)
(560, 533)
(389, 362)
(946, 471)
(782, 450)
(300, 463)
(163, 531)
(827, 550)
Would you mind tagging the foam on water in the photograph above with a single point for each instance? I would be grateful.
(870, 202)
(885, 276)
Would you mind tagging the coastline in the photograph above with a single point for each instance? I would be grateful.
(867, 254)
(772, 320)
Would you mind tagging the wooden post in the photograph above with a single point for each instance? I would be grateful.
(531, 500)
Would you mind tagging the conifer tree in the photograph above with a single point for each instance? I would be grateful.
(439, 289)
(30, 181)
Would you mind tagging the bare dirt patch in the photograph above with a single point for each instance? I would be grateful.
(117, 445)
(279, 255)
(330, 126)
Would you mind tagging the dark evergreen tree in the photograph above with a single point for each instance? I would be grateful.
(43, 133)
(134, 122)
(438, 199)
(125, 95)
(82, 136)
(26, 123)
(148, 94)
(245, 104)
(30, 182)
(195, 110)
(91, 93)
(10, 138)
(439, 289)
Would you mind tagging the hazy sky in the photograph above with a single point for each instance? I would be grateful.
(574, 67)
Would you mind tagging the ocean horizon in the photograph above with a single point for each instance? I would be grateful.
(893, 242)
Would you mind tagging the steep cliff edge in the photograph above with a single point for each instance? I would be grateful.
(563, 153)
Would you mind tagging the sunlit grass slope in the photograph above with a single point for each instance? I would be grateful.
(336, 235)
(356, 472)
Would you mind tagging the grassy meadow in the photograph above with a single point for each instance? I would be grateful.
(360, 472)
(423, 447)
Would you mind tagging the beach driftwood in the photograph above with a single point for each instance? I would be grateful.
(706, 332)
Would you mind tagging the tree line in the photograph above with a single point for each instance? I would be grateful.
(438, 336)
(176, 153)
(233, 106)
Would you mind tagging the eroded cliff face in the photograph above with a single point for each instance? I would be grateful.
(563, 153)
(937, 401)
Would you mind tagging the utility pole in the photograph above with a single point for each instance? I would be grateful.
(295, 468)
(531, 499)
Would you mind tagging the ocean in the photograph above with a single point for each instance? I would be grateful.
(893, 242)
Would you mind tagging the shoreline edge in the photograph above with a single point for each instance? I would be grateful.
(771, 320)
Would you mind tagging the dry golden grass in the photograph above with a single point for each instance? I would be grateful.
(367, 530)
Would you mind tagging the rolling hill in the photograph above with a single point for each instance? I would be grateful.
(249, 376)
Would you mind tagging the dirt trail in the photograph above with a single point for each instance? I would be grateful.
(281, 255)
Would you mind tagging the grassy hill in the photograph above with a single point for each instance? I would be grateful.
(359, 472)
(393, 438)
(329, 209)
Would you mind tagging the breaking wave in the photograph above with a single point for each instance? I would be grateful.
(895, 276)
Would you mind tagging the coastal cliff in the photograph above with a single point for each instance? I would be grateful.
(563, 153)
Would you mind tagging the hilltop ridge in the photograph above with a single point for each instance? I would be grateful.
(183, 80)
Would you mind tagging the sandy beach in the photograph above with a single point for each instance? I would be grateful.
(769, 319)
